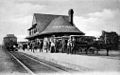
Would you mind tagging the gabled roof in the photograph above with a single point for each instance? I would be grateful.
(61, 25)
(53, 24)
(33, 26)
(43, 20)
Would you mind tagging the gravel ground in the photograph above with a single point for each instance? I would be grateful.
(5, 62)
(8, 66)
(81, 62)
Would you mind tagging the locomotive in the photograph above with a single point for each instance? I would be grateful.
(10, 42)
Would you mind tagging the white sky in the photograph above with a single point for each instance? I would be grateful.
(91, 16)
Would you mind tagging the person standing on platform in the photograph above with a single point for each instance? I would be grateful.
(52, 44)
(45, 44)
(63, 45)
(52, 47)
(39, 44)
(33, 47)
(69, 46)
(73, 45)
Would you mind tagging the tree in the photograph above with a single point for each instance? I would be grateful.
(110, 40)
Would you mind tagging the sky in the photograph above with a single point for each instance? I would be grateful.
(90, 16)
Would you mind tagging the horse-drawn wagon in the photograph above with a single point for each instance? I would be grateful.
(81, 43)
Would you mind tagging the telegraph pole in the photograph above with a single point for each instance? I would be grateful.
(106, 45)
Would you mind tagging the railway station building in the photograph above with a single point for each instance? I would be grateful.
(50, 25)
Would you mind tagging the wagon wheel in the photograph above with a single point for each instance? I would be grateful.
(92, 49)
(80, 49)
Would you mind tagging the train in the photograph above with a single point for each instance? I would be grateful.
(10, 42)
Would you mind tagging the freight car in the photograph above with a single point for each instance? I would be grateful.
(10, 42)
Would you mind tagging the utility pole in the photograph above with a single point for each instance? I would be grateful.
(106, 45)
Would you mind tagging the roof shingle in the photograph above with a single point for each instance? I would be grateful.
(43, 20)
(61, 25)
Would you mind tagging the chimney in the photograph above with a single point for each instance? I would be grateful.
(70, 13)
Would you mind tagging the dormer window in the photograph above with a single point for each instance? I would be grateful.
(34, 30)
(30, 32)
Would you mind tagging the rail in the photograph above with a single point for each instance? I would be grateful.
(25, 67)
(57, 69)
(47, 65)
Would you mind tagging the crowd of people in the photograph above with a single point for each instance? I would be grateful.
(51, 45)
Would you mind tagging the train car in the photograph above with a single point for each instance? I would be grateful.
(10, 42)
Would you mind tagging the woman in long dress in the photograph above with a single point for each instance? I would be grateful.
(46, 44)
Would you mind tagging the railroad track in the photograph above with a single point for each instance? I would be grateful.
(34, 66)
